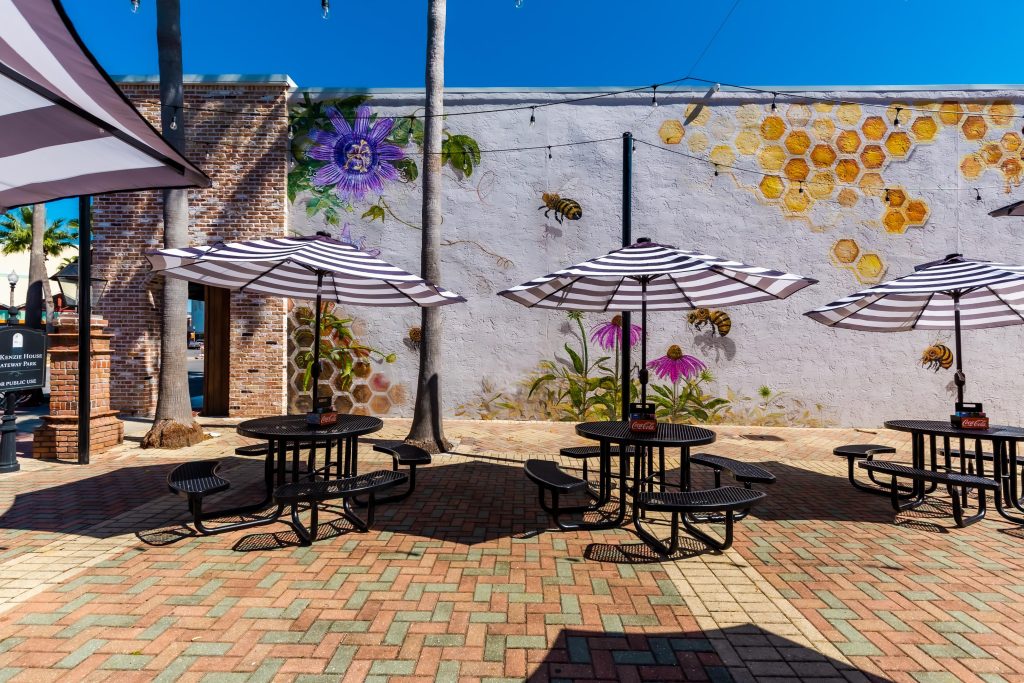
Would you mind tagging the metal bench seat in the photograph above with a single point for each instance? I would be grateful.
(548, 476)
(726, 501)
(195, 481)
(744, 472)
(950, 479)
(403, 455)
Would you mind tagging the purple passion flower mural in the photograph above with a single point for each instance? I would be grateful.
(357, 157)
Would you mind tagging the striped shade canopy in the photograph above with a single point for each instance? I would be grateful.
(1015, 209)
(65, 128)
(675, 280)
(292, 266)
(987, 295)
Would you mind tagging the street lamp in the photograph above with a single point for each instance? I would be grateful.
(67, 280)
(12, 278)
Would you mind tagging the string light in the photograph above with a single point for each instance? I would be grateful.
(716, 170)
(774, 95)
(325, 5)
(801, 190)
(887, 195)
(174, 119)
(654, 95)
(896, 119)
(977, 194)
(135, 6)
(549, 153)
(533, 115)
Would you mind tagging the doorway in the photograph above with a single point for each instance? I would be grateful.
(216, 356)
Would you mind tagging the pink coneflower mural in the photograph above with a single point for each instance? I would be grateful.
(609, 335)
(676, 365)
(357, 156)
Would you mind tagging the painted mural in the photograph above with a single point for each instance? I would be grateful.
(846, 193)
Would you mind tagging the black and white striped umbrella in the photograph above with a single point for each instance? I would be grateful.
(953, 293)
(649, 276)
(317, 267)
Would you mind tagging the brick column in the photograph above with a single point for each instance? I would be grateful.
(58, 436)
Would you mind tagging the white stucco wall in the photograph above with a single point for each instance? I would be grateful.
(499, 238)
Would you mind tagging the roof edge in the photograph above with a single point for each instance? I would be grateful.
(215, 79)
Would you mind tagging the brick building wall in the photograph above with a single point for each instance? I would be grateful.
(237, 132)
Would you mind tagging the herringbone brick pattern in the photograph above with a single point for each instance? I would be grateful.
(461, 582)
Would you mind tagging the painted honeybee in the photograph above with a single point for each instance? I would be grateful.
(563, 208)
(937, 357)
(718, 320)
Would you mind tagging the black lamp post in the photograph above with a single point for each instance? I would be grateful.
(12, 278)
(67, 280)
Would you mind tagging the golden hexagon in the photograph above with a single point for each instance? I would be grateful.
(798, 142)
(896, 197)
(845, 251)
(361, 393)
(873, 156)
(798, 115)
(894, 222)
(917, 212)
(697, 142)
(974, 107)
(924, 128)
(991, 153)
(702, 117)
(847, 170)
(772, 186)
(848, 141)
(1011, 142)
(380, 405)
(1001, 113)
(797, 200)
(824, 129)
(342, 403)
(821, 185)
(974, 127)
(950, 113)
(874, 128)
(397, 394)
(1012, 170)
(898, 143)
(972, 165)
(672, 132)
(897, 113)
(723, 154)
(360, 410)
(772, 128)
(823, 156)
(849, 114)
(362, 369)
(848, 197)
(747, 142)
(749, 115)
(796, 169)
(823, 107)
(869, 268)
(872, 184)
(772, 158)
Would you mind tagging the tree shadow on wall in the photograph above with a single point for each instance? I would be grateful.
(741, 653)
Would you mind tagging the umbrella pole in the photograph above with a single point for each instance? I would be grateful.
(643, 341)
(627, 239)
(316, 338)
(959, 379)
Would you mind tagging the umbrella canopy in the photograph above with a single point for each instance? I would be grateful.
(65, 128)
(316, 267)
(1015, 209)
(952, 293)
(647, 276)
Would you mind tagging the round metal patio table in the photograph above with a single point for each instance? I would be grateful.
(291, 432)
(1005, 465)
(666, 435)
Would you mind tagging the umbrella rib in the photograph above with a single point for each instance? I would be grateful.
(689, 301)
(1003, 302)
(931, 296)
(614, 294)
(567, 284)
(262, 274)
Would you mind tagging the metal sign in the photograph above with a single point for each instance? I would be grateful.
(22, 358)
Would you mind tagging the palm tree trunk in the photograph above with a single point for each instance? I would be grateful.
(37, 298)
(427, 430)
(174, 426)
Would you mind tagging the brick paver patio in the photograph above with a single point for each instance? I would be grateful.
(99, 580)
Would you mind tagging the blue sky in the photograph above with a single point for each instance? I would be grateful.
(573, 42)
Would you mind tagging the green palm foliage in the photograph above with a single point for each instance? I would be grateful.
(16, 233)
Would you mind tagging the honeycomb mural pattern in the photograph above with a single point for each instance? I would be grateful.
(371, 392)
(813, 153)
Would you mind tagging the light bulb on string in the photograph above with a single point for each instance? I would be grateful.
(977, 194)
(887, 195)
(135, 6)
(774, 95)
(325, 6)
(174, 119)
(291, 133)
(533, 115)
(549, 152)
(716, 170)
(801, 190)
(896, 119)
(654, 95)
